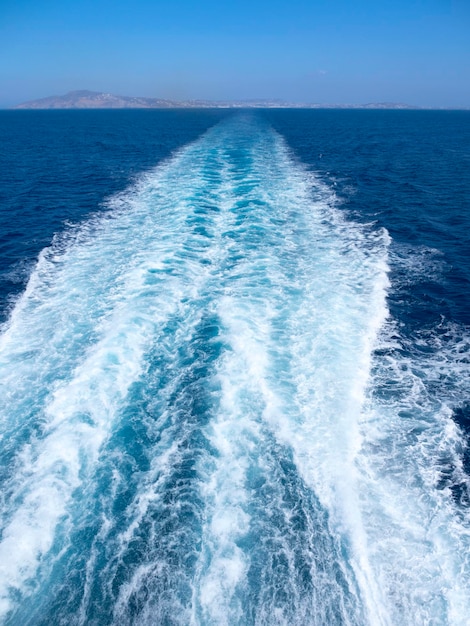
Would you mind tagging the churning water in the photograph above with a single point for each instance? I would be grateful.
(210, 416)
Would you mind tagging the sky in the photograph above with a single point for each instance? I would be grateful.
(319, 51)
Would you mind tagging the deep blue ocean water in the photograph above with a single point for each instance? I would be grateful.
(235, 367)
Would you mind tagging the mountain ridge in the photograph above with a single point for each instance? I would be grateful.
(85, 99)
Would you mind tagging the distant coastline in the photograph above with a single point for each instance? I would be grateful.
(99, 100)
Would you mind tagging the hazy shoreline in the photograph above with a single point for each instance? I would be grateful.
(100, 100)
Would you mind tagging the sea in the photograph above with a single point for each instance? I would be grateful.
(235, 368)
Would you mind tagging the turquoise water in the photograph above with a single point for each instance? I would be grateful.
(214, 410)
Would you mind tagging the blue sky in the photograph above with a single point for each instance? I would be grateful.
(327, 51)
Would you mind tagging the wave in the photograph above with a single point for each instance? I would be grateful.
(207, 419)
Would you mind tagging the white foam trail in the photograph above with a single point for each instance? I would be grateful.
(156, 573)
(409, 439)
(321, 322)
(337, 340)
(317, 310)
(75, 344)
(339, 439)
(234, 434)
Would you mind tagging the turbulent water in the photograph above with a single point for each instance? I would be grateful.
(210, 415)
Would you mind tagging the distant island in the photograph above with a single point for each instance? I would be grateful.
(98, 100)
